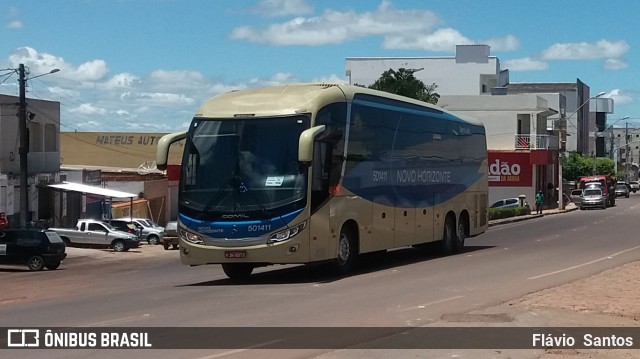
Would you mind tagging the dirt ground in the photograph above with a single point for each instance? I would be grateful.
(610, 299)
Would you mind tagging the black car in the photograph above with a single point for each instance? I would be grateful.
(37, 248)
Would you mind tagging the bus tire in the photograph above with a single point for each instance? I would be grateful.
(461, 230)
(237, 271)
(347, 252)
(447, 244)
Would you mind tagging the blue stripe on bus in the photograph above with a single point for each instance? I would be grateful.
(408, 187)
(239, 229)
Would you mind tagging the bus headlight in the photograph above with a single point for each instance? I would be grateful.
(190, 237)
(287, 233)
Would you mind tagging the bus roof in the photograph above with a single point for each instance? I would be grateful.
(292, 99)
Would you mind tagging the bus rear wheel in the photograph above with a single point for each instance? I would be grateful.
(237, 271)
(447, 244)
(461, 230)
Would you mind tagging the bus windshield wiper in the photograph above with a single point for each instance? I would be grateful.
(218, 196)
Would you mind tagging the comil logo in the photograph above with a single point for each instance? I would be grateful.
(23, 338)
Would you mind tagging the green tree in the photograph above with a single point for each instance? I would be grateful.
(404, 83)
(575, 166)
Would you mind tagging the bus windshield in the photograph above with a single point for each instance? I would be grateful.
(243, 168)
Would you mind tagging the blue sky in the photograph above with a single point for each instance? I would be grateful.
(146, 65)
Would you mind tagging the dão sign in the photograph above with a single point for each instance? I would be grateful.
(509, 169)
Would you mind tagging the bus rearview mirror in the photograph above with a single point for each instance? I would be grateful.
(305, 144)
(162, 151)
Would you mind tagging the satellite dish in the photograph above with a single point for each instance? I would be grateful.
(147, 167)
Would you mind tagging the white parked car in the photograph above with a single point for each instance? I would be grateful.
(508, 203)
(151, 232)
(635, 186)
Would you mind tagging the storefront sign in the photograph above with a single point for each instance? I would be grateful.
(509, 169)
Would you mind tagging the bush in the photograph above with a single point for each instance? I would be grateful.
(500, 213)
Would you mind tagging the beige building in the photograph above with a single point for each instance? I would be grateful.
(113, 149)
(126, 162)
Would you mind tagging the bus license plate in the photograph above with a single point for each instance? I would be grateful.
(235, 254)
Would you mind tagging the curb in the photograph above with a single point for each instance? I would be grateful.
(497, 222)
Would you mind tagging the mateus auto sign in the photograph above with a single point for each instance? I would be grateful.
(509, 169)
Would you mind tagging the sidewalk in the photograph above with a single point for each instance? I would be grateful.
(545, 212)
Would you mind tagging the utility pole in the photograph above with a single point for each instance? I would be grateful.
(611, 145)
(626, 153)
(23, 150)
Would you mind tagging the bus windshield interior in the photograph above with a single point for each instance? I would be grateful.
(243, 166)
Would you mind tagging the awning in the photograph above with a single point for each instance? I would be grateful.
(91, 190)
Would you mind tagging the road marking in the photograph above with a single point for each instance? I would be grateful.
(548, 238)
(433, 303)
(231, 352)
(585, 264)
(117, 321)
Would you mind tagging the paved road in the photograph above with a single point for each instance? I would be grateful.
(149, 287)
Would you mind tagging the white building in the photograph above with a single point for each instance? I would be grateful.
(472, 71)
(43, 158)
(523, 153)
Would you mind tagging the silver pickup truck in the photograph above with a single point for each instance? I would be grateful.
(90, 233)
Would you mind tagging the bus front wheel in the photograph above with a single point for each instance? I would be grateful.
(237, 271)
(347, 252)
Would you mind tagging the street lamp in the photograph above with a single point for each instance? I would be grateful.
(563, 139)
(23, 150)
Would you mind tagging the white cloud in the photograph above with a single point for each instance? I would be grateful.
(88, 109)
(439, 40)
(89, 124)
(525, 64)
(148, 127)
(610, 51)
(91, 71)
(614, 64)
(602, 49)
(506, 43)
(15, 24)
(334, 27)
(279, 78)
(163, 80)
(333, 78)
(122, 80)
(40, 63)
(157, 99)
(283, 7)
(619, 97)
(58, 91)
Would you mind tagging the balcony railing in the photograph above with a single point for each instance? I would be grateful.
(537, 142)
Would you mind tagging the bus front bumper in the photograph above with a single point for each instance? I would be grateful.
(287, 252)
